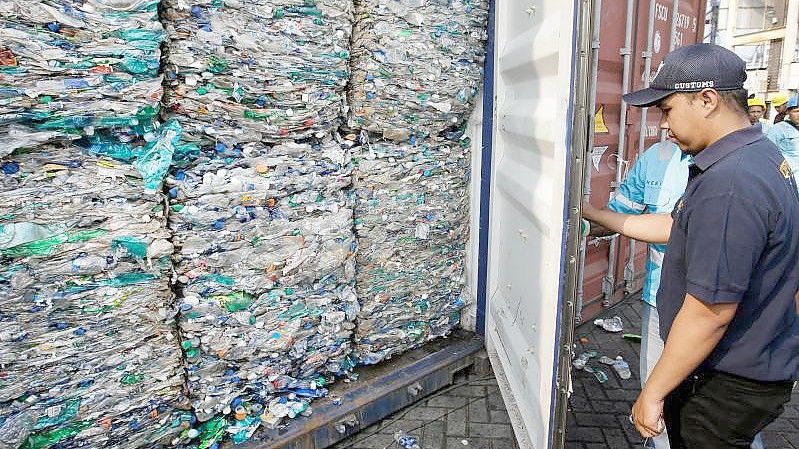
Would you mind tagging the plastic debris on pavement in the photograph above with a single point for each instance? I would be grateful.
(613, 324)
(632, 337)
(622, 368)
(605, 360)
(581, 361)
(600, 375)
(412, 224)
(265, 267)
(68, 68)
(406, 441)
(417, 65)
(89, 351)
(259, 70)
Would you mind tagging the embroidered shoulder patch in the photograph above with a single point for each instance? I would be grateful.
(785, 169)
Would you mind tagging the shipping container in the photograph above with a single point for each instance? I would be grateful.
(633, 38)
(550, 125)
(551, 128)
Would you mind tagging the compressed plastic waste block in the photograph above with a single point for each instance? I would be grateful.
(411, 222)
(264, 257)
(89, 350)
(259, 70)
(70, 67)
(260, 210)
(417, 65)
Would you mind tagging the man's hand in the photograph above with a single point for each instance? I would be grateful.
(648, 416)
(589, 212)
(696, 331)
(650, 228)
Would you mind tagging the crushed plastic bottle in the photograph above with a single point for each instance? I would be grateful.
(605, 360)
(599, 374)
(622, 368)
(417, 65)
(259, 70)
(411, 219)
(69, 68)
(406, 441)
(154, 160)
(610, 324)
(89, 351)
(582, 360)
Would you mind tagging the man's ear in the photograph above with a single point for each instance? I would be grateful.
(711, 100)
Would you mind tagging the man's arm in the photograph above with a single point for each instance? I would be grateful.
(651, 228)
(696, 331)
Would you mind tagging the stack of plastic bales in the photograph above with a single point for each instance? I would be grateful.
(261, 214)
(89, 351)
(68, 68)
(88, 347)
(417, 67)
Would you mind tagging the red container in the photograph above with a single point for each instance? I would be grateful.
(689, 29)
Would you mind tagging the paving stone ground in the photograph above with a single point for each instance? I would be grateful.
(472, 410)
(598, 413)
(468, 415)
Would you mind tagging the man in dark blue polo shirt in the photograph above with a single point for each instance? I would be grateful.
(727, 298)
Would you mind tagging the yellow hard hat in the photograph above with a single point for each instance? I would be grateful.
(779, 99)
(757, 102)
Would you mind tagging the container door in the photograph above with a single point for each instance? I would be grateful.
(540, 81)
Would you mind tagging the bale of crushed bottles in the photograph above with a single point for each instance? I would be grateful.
(260, 213)
(89, 351)
(265, 269)
(68, 68)
(259, 70)
(417, 65)
(412, 225)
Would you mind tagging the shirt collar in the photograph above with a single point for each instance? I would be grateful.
(726, 145)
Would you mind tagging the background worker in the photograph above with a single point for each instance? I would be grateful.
(757, 110)
(779, 101)
(785, 134)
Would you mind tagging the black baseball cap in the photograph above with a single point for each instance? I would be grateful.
(691, 69)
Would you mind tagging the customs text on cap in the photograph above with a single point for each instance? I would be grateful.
(691, 69)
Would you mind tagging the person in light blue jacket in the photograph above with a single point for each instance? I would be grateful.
(653, 185)
(785, 134)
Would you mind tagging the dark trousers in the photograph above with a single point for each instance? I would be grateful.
(717, 410)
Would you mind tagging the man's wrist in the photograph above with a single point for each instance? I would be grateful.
(653, 392)
(603, 218)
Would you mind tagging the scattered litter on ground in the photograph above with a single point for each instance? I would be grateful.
(406, 441)
(622, 368)
(632, 337)
(610, 324)
(581, 361)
